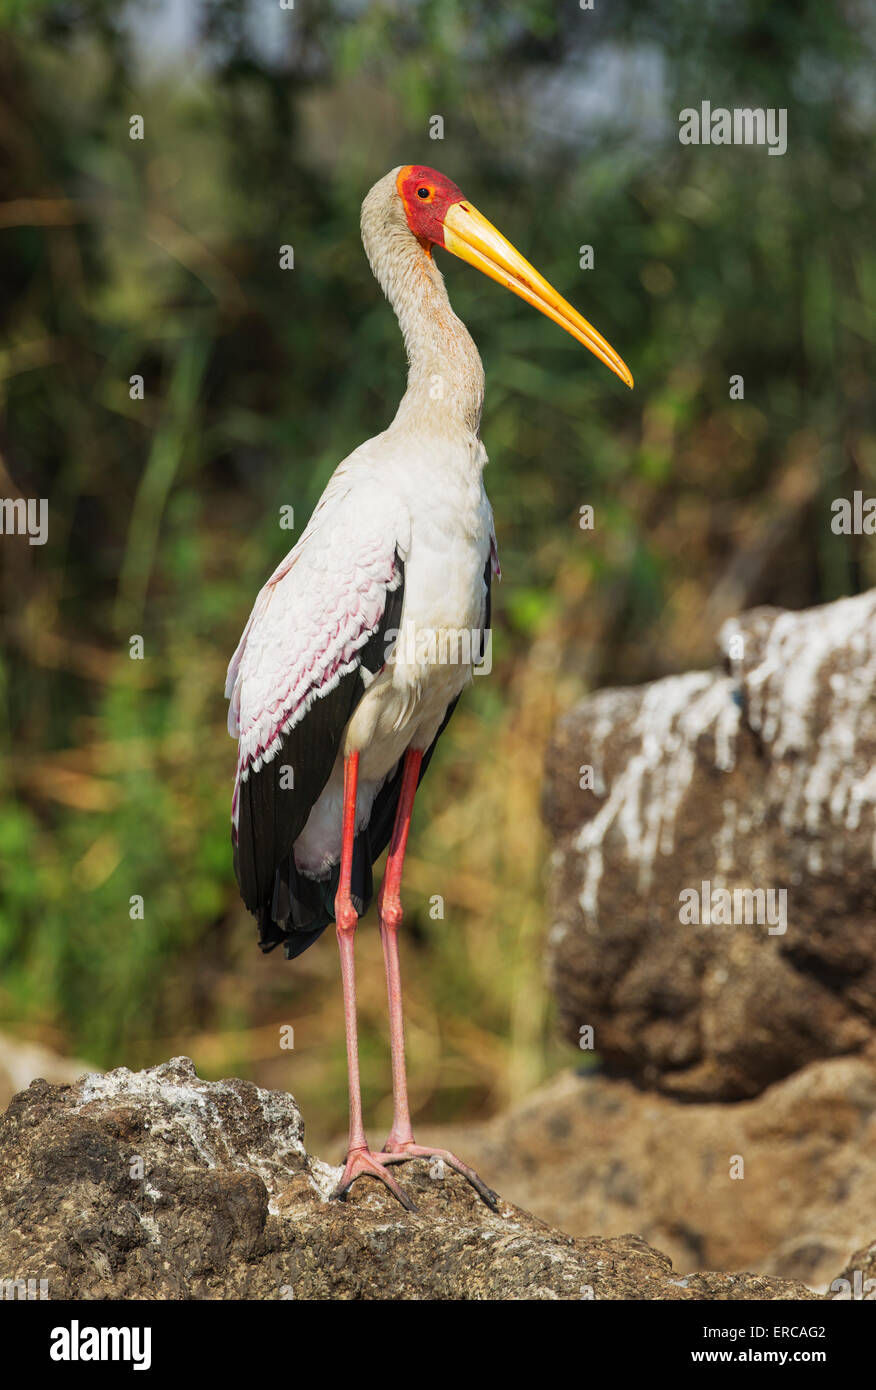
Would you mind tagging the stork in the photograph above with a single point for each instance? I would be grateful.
(360, 643)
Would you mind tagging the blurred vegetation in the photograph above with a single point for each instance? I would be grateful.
(160, 257)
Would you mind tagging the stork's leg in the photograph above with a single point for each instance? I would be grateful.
(360, 1159)
(400, 1146)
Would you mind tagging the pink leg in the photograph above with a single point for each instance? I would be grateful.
(360, 1159)
(400, 1145)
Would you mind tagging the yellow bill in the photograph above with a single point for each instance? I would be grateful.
(470, 236)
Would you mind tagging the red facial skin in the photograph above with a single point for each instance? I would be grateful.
(426, 215)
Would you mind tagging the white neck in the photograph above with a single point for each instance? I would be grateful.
(445, 391)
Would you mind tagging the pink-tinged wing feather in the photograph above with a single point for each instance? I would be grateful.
(232, 688)
(313, 616)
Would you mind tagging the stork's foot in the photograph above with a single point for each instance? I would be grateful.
(399, 1151)
(364, 1163)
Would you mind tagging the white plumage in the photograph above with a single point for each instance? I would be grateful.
(362, 639)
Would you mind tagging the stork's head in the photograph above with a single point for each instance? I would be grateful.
(438, 214)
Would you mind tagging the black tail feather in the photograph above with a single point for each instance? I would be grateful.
(301, 908)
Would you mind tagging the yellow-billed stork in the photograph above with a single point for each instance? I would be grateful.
(361, 641)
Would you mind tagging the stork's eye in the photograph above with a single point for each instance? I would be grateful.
(423, 192)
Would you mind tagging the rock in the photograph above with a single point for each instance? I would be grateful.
(762, 778)
(157, 1185)
(858, 1280)
(595, 1155)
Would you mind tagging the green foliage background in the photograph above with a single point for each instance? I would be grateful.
(160, 257)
